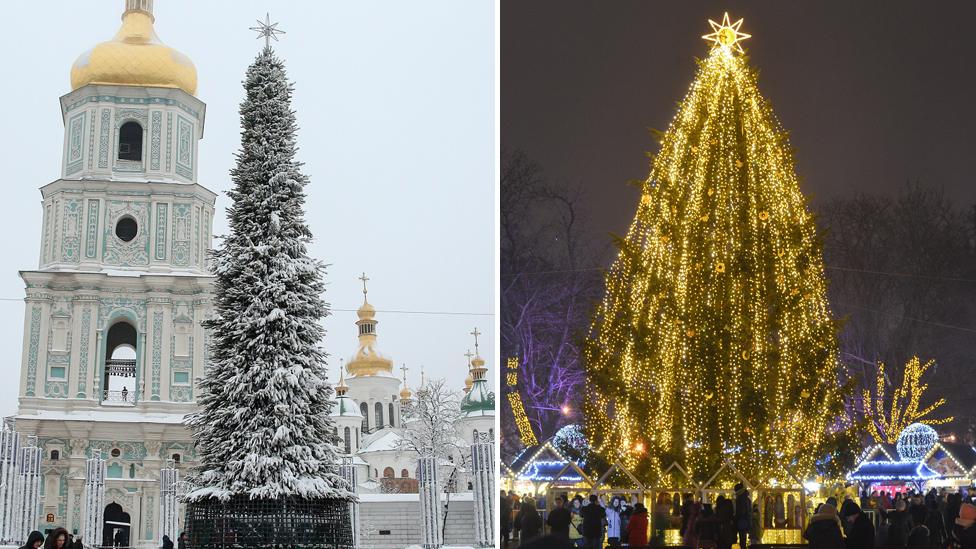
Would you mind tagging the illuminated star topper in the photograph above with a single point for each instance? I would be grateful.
(267, 30)
(726, 34)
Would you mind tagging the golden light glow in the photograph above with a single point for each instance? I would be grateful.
(903, 410)
(515, 402)
(714, 339)
(726, 34)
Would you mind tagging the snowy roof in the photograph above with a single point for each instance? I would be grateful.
(893, 470)
(386, 442)
(104, 416)
(346, 406)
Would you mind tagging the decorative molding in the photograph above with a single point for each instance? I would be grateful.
(162, 215)
(103, 138)
(91, 244)
(56, 389)
(156, 132)
(157, 352)
(133, 101)
(74, 157)
(169, 141)
(184, 148)
(71, 242)
(91, 138)
(196, 233)
(32, 350)
(109, 307)
(181, 234)
(83, 351)
(136, 251)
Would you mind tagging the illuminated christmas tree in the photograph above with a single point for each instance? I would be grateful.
(715, 339)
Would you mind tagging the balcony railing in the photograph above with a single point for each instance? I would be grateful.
(119, 398)
(120, 367)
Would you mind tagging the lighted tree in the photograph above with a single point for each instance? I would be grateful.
(714, 339)
(903, 409)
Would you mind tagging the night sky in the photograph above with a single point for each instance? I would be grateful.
(874, 94)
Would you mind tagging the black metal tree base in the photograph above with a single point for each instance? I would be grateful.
(287, 523)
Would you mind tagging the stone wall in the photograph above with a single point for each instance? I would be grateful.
(392, 521)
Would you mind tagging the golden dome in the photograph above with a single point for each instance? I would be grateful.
(135, 57)
(405, 393)
(366, 311)
(468, 382)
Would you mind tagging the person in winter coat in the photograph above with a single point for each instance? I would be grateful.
(824, 530)
(963, 530)
(594, 517)
(899, 525)
(167, 543)
(78, 544)
(58, 539)
(743, 514)
(707, 529)
(756, 532)
(725, 513)
(505, 507)
(559, 519)
(917, 510)
(613, 522)
(34, 540)
(918, 538)
(637, 527)
(181, 541)
(546, 542)
(933, 521)
(529, 520)
(860, 529)
(690, 537)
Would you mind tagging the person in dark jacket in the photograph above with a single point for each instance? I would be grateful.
(707, 528)
(529, 521)
(34, 540)
(743, 514)
(860, 529)
(547, 542)
(725, 513)
(933, 521)
(899, 525)
(917, 510)
(594, 517)
(559, 519)
(505, 505)
(58, 539)
(824, 530)
(167, 543)
(636, 534)
(181, 541)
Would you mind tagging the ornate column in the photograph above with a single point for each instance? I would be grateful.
(29, 499)
(483, 468)
(348, 472)
(169, 510)
(432, 536)
(94, 499)
(9, 451)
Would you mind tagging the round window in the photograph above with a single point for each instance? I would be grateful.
(126, 229)
(116, 452)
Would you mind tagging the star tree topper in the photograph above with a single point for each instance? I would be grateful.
(726, 34)
(267, 30)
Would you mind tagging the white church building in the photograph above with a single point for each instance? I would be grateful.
(112, 334)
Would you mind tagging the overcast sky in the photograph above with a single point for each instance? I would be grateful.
(396, 106)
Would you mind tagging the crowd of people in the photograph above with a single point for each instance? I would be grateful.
(59, 538)
(935, 520)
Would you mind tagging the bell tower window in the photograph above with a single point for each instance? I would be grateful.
(130, 141)
(126, 229)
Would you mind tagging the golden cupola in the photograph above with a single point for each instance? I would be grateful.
(368, 361)
(135, 57)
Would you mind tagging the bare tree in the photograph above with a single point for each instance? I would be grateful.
(549, 284)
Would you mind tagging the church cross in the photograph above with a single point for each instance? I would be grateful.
(476, 333)
(365, 279)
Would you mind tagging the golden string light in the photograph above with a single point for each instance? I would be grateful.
(903, 409)
(515, 402)
(714, 339)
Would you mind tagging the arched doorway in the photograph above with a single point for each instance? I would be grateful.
(116, 524)
(120, 365)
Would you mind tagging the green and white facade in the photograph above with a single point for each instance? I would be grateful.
(112, 334)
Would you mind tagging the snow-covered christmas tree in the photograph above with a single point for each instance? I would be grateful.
(264, 433)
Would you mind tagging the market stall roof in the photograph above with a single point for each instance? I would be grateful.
(893, 470)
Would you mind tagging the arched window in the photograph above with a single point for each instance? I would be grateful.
(347, 439)
(388, 473)
(404, 473)
(379, 415)
(391, 415)
(55, 455)
(357, 441)
(364, 410)
(474, 436)
(130, 141)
